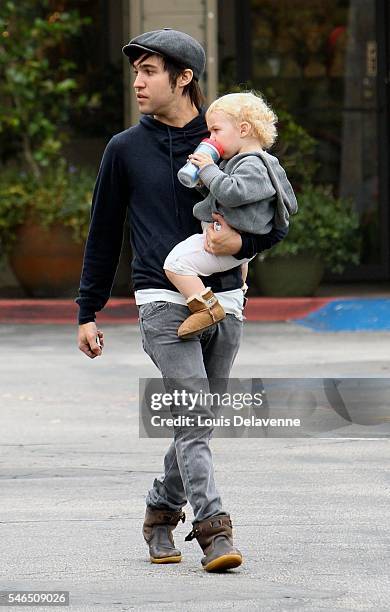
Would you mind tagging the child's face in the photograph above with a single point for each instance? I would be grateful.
(225, 131)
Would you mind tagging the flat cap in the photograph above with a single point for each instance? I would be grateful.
(175, 45)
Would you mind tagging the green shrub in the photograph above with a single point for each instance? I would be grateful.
(325, 226)
(38, 87)
(62, 195)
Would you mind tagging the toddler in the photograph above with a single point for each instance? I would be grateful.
(249, 189)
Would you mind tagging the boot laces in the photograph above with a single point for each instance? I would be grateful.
(191, 535)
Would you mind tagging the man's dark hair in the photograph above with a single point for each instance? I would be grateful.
(174, 70)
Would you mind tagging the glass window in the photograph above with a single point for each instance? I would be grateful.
(319, 57)
(97, 55)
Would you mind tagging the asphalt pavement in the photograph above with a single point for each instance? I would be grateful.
(311, 515)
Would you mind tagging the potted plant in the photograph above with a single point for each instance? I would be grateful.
(43, 227)
(323, 236)
(44, 202)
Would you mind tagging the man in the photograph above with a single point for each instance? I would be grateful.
(139, 172)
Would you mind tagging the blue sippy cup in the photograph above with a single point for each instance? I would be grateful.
(188, 175)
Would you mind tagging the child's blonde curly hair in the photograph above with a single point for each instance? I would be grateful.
(252, 108)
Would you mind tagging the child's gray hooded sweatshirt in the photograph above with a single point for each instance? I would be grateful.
(250, 190)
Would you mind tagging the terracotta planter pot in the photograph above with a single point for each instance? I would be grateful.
(47, 262)
(293, 276)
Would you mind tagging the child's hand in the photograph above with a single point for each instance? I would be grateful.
(201, 159)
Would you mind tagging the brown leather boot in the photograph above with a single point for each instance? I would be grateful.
(215, 537)
(157, 531)
(207, 311)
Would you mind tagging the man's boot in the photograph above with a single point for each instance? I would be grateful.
(206, 311)
(215, 537)
(157, 531)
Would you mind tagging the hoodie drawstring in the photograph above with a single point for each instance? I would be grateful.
(173, 176)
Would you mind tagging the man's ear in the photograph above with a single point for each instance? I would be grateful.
(245, 128)
(185, 77)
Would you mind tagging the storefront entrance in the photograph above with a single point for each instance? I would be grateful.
(329, 62)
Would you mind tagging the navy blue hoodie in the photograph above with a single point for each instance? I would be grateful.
(138, 172)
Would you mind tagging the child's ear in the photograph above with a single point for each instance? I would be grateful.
(245, 128)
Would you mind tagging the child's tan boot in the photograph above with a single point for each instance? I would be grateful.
(207, 311)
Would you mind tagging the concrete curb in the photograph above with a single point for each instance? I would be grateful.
(123, 310)
(323, 314)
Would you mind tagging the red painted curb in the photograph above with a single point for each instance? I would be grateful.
(282, 309)
(123, 310)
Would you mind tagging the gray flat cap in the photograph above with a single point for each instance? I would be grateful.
(173, 44)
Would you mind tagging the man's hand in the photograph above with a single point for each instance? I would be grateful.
(226, 241)
(88, 333)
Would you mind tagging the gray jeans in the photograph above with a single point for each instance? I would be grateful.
(188, 465)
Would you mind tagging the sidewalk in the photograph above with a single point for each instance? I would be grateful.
(310, 515)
